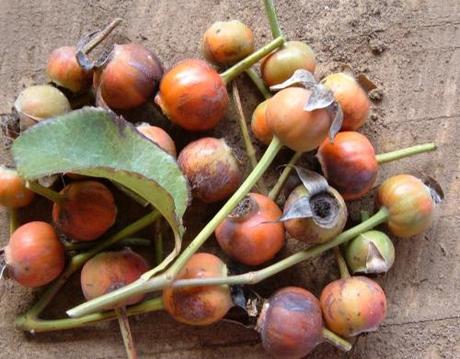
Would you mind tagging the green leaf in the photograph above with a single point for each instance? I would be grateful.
(97, 143)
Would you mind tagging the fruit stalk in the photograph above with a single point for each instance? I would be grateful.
(257, 276)
(13, 216)
(48, 193)
(255, 78)
(276, 190)
(229, 74)
(159, 256)
(128, 242)
(335, 340)
(272, 18)
(101, 36)
(405, 152)
(36, 325)
(142, 285)
(344, 273)
(77, 262)
(125, 329)
(250, 151)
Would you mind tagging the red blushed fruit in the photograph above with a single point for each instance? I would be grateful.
(227, 42)
(281, 64)
(109, 271)
(351, 97)
(353, 305)
(210, 168)
(64, 70)
(249, 234)
(290, 323)
(13, 192)
(409, 203)
(349, 164)
(193, 95)
(159, 136)
(130, 78)
(259, 124)
(199, 305)
(86, 212)
(296, 128)
(34, 255)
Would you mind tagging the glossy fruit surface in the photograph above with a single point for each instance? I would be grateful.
(351, 97)
(87, 211)
(251, 234)
(259, 124)
(159, 136)
(130, 78)
(290, 323)
(34, 255)
(13, 192)
(370, 252)
(353, 305)
(328, 220)
(36, 103)
(199, 305)
(349, 164)
(64, 70)
(227, 42)
(193, 95)
(409, 203)
(211, 169)
(109, 271)
(296, 128)
(281, 64)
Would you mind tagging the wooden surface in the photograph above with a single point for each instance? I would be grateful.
(419, 75)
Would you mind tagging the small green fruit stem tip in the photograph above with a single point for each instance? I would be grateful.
(229, 74)
(335, 340)
(156, 283)
(405, 152)
(276, 190)
(272, 18)
(126, 334)
(255, 78)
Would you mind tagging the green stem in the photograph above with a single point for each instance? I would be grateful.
(257, 276)
(48, 193)
(77, 261)
(272, 18)
(127, 242)
(335, 340)
(126, 334)
(33, 324)
(344, 273)
(405, 152)
(13, 215)
(229, 74)
(144, 286)
(250, 151)
(101, 36)
(364, 215)
(274, 193)
(255, 78)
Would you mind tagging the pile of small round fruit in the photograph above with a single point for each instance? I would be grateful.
(304, 115)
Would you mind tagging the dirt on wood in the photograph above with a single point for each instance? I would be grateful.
(409, 49)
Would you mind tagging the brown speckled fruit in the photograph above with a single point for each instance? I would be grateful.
(199, 305)
(210, 168)
(353, 305)
(227, 42)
